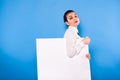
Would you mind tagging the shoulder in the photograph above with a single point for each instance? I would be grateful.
(69, 32)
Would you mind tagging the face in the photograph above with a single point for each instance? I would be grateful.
(72, 19)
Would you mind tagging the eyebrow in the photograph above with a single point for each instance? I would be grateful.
(71, 15)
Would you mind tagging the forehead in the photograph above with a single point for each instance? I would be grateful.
(71, 14)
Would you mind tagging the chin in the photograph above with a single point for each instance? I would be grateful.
(77, 24)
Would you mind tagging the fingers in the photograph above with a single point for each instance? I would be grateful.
(88, 56)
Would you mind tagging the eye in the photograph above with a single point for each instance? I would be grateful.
(70, 18)
(76, 16)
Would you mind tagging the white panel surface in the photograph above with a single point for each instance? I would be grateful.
(54, 64)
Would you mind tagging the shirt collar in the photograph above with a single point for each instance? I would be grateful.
(73, 28)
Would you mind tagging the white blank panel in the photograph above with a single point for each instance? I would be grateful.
(54, 64)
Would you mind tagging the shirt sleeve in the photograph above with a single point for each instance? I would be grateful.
(74, 44)
(70, 44)
(79, 45)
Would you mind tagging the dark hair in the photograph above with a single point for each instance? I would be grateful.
(66, 13)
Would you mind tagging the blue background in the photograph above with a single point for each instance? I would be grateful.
(22, 21)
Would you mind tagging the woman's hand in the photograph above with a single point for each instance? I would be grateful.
(86, 40)
(88, 56)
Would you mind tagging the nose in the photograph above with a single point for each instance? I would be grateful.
(75, 18)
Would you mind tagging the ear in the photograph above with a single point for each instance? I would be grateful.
(67, 23)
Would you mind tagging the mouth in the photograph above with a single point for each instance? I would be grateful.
(76, 21)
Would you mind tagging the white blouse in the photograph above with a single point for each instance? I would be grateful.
(74, 42)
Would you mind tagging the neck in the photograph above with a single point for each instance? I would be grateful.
(73, 26)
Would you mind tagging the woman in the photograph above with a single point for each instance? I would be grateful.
(74, 42)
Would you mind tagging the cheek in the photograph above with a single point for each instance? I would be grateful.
(70, 21)
(79, 20)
